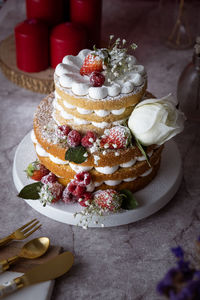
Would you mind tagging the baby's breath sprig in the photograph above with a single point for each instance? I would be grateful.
(116, 61)
(91, 214)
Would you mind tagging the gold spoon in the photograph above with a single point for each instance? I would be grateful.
(32, 249)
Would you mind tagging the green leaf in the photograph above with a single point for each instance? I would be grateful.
(143, 151)
(31, 191)
(128, 200)
(76, 154)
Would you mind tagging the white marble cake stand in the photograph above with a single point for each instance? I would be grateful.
(152, 198)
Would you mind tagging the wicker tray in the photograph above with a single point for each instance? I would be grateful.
(41, 82)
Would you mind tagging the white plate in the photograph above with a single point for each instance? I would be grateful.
(152, 198)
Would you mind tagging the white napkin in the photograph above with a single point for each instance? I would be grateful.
(40, 291)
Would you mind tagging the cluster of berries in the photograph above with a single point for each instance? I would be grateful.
(93, 67)
(80, 189)
(117, 137)
(74, 138)
(51, 190)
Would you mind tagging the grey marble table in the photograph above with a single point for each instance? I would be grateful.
(124, 262)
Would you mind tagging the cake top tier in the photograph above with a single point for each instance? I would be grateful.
(100, 73)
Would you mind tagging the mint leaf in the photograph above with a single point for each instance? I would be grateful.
(31, 191)
(128, 200)
(142, 150)
(76, 154)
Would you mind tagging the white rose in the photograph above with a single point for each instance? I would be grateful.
(154, 121)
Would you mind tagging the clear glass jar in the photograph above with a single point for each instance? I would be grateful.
(188, 90)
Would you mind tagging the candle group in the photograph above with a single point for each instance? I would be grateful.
(40, 42)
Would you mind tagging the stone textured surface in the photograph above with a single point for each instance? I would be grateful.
(124, 262)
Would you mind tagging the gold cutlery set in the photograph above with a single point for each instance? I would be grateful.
(35, 248)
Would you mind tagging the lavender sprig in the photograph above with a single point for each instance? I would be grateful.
(181, 282)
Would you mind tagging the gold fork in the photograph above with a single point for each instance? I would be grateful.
(22, 232)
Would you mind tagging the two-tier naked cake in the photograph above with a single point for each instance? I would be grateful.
(81, 132)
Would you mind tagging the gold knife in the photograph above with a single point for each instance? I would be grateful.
(49, 270)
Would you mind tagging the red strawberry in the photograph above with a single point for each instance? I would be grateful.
(92, 63)
(36, 170)
(118, 138)
(51, 192)
(109, 199)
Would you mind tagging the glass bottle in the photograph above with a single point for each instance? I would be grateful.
(188, 90)
(179, 22)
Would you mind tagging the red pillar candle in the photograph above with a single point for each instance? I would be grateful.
(88, 13)
(50, 11)
(66, 39)
(32, 46)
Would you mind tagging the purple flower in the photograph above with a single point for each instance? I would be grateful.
(167, 282)
(197, 275)
(178, 252)
(172, 295)
(198, 239)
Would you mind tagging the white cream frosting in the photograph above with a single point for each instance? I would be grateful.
(128, 164)
(69, 77)
(147, 172)
(129, 179)
(57, 160)
(83, 111)
(113, 182)
(107, 170)
(40, 151)
(77, 168)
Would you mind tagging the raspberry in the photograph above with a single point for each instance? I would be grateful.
(83, 178)
(50, 178)
(67, 197)
(88, 139)
(85, 199)
(79, 191)
(109, 199)
(63, 131)
(97, 79)
(74, 138)
(118, 138)
(72, 186)
(91, 63)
